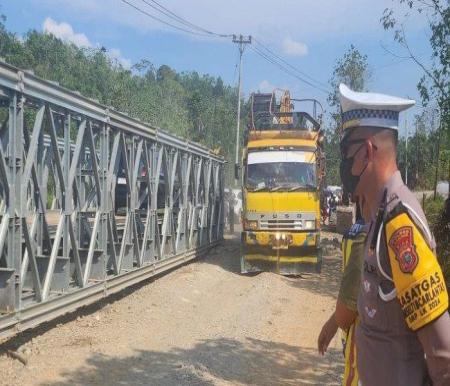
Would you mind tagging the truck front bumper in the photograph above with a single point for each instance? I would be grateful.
(288, 253)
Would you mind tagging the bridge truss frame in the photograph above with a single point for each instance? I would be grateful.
(62, 155)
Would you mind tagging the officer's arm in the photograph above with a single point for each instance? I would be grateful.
(344, 316)
(346, 310)
(421, 291)
(435, 339)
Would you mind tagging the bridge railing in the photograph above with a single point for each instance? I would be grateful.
(92, 200)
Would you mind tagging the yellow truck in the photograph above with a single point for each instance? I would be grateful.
(282, 171)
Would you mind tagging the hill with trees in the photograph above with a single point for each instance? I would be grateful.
(198, 107)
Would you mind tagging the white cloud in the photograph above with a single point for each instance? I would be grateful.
(266, 86)
(116, 55)
(312, 20)
(293, 48)
(65, 32)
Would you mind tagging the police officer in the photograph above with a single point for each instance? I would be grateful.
(345, 314)
(403, 337)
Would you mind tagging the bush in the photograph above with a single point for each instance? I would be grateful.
(433, 209)
(438, 215)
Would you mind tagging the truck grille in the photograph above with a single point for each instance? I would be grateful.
(281, 224)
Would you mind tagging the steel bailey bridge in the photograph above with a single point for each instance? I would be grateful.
(62, 242)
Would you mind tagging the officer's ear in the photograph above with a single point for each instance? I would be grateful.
(370, 149)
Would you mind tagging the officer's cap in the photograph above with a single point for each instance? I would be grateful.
(362, 109)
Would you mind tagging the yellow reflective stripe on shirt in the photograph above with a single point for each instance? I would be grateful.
(346, 251)
(417, 275)
(352, 261)
(350, 377)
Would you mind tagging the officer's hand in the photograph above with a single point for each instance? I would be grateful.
(329, 330)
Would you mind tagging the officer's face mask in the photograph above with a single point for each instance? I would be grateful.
(349, 180)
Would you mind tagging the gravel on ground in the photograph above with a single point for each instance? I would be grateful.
(202, 324)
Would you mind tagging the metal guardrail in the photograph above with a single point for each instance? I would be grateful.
(58, 146)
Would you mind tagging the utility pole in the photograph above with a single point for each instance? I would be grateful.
(241, 41)
(417, 151)
(406, 152)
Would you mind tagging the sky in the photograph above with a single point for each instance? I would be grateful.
(309, 34)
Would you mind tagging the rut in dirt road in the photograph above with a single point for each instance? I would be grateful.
(203, 324)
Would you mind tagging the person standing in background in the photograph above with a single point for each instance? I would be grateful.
(345, 315)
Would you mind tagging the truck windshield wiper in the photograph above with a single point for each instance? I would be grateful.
(297, 187)
(258, 189)
(302, 186)
(275, 188)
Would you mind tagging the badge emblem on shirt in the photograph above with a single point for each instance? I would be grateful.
(370, 312)
(402, 243)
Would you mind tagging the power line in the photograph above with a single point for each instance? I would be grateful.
(162, 21)
(167, 12)
(277, 57)
(287, 70)
(199, 31)
(392, 63)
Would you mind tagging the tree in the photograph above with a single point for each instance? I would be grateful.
(195, 106)
(435, 82)
(434, 85)
(164, 72)
(422, 151)
(195, 111)
(353, 70)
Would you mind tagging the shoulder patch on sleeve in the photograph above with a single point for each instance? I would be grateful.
(416, 273)
(402, 243)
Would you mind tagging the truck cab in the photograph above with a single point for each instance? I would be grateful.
(282, 169)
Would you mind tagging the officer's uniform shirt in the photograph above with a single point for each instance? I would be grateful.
(402, 292)
(353, 252)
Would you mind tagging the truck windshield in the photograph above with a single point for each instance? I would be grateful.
(277, 176)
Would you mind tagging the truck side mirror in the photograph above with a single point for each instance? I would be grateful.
(236, 171)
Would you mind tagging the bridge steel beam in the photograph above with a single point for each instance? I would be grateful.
(64, 241)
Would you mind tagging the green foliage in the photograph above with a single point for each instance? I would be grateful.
(198, 107)
(353, 70)
(332, 157)
(442, 234)
(432, 208)
(430, 149)
(438, 216)
(436, 80)
(422, 153)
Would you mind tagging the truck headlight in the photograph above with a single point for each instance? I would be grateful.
(250, 225)
(310, 224)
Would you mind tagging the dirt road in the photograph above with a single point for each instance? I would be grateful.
(203, 324)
